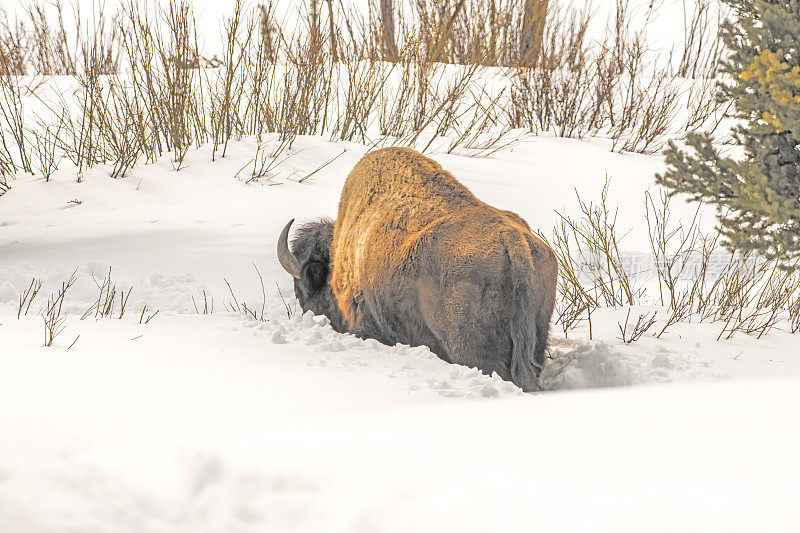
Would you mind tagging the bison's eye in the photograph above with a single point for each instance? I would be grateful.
(315, 275)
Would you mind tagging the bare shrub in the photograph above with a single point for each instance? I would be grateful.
(705, 110)
(365, 79)
(46, 149)
(703, 52)
(596, 245)
(573, 301)
(50, 51)
(308, 89)
(753, 296)
(39, 42)
(13, 46)
(702, 45)
(446, 109)
(591, 272)
(425, 100)
(404, 104)
(746, 294)
(648, 109)
(485, 131)
(4, 186)
(226, 102)
(145, 90)
(110, 301)
(179, 59)
(634, 331)
(13, 136)
(265, 162)
(574, 298)
(558, 94)
(162, 57)
(52, 314)
(672, 245)
(469, 31)
(28, 296)
(643, 97)
(794, 312)
(262, 76)
(578, 87)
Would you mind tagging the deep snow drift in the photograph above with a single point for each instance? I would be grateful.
(224, 422)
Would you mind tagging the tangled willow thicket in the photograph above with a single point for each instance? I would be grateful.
(696, 279)
(143, 88)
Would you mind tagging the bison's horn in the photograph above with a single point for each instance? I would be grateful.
(285, 255)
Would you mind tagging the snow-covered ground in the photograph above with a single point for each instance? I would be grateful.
(220, 422)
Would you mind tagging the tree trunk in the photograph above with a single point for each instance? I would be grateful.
(332, 29)
(533, 20)
(437, 52)
(315, 31)
(491, 58)
(387, 22)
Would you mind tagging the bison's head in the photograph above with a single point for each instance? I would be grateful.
(309, 262)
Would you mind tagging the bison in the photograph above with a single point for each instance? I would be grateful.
(414, 257)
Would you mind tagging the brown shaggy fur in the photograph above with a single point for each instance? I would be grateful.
(417, 259)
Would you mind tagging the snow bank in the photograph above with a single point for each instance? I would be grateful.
(221, 422)
(660, 459)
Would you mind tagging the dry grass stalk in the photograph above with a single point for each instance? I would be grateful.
(256, 312)
(290, 311)
(207, 310)
(145, 312)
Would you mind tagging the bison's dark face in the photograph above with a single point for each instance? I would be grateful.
(309, 262)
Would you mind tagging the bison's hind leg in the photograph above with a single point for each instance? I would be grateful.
(470, 326)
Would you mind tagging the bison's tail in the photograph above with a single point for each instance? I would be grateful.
(524, 369)
(525, 324)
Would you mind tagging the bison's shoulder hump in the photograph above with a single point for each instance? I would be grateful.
(399, 171)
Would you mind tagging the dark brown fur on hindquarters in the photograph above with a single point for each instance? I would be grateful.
(413, 257)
